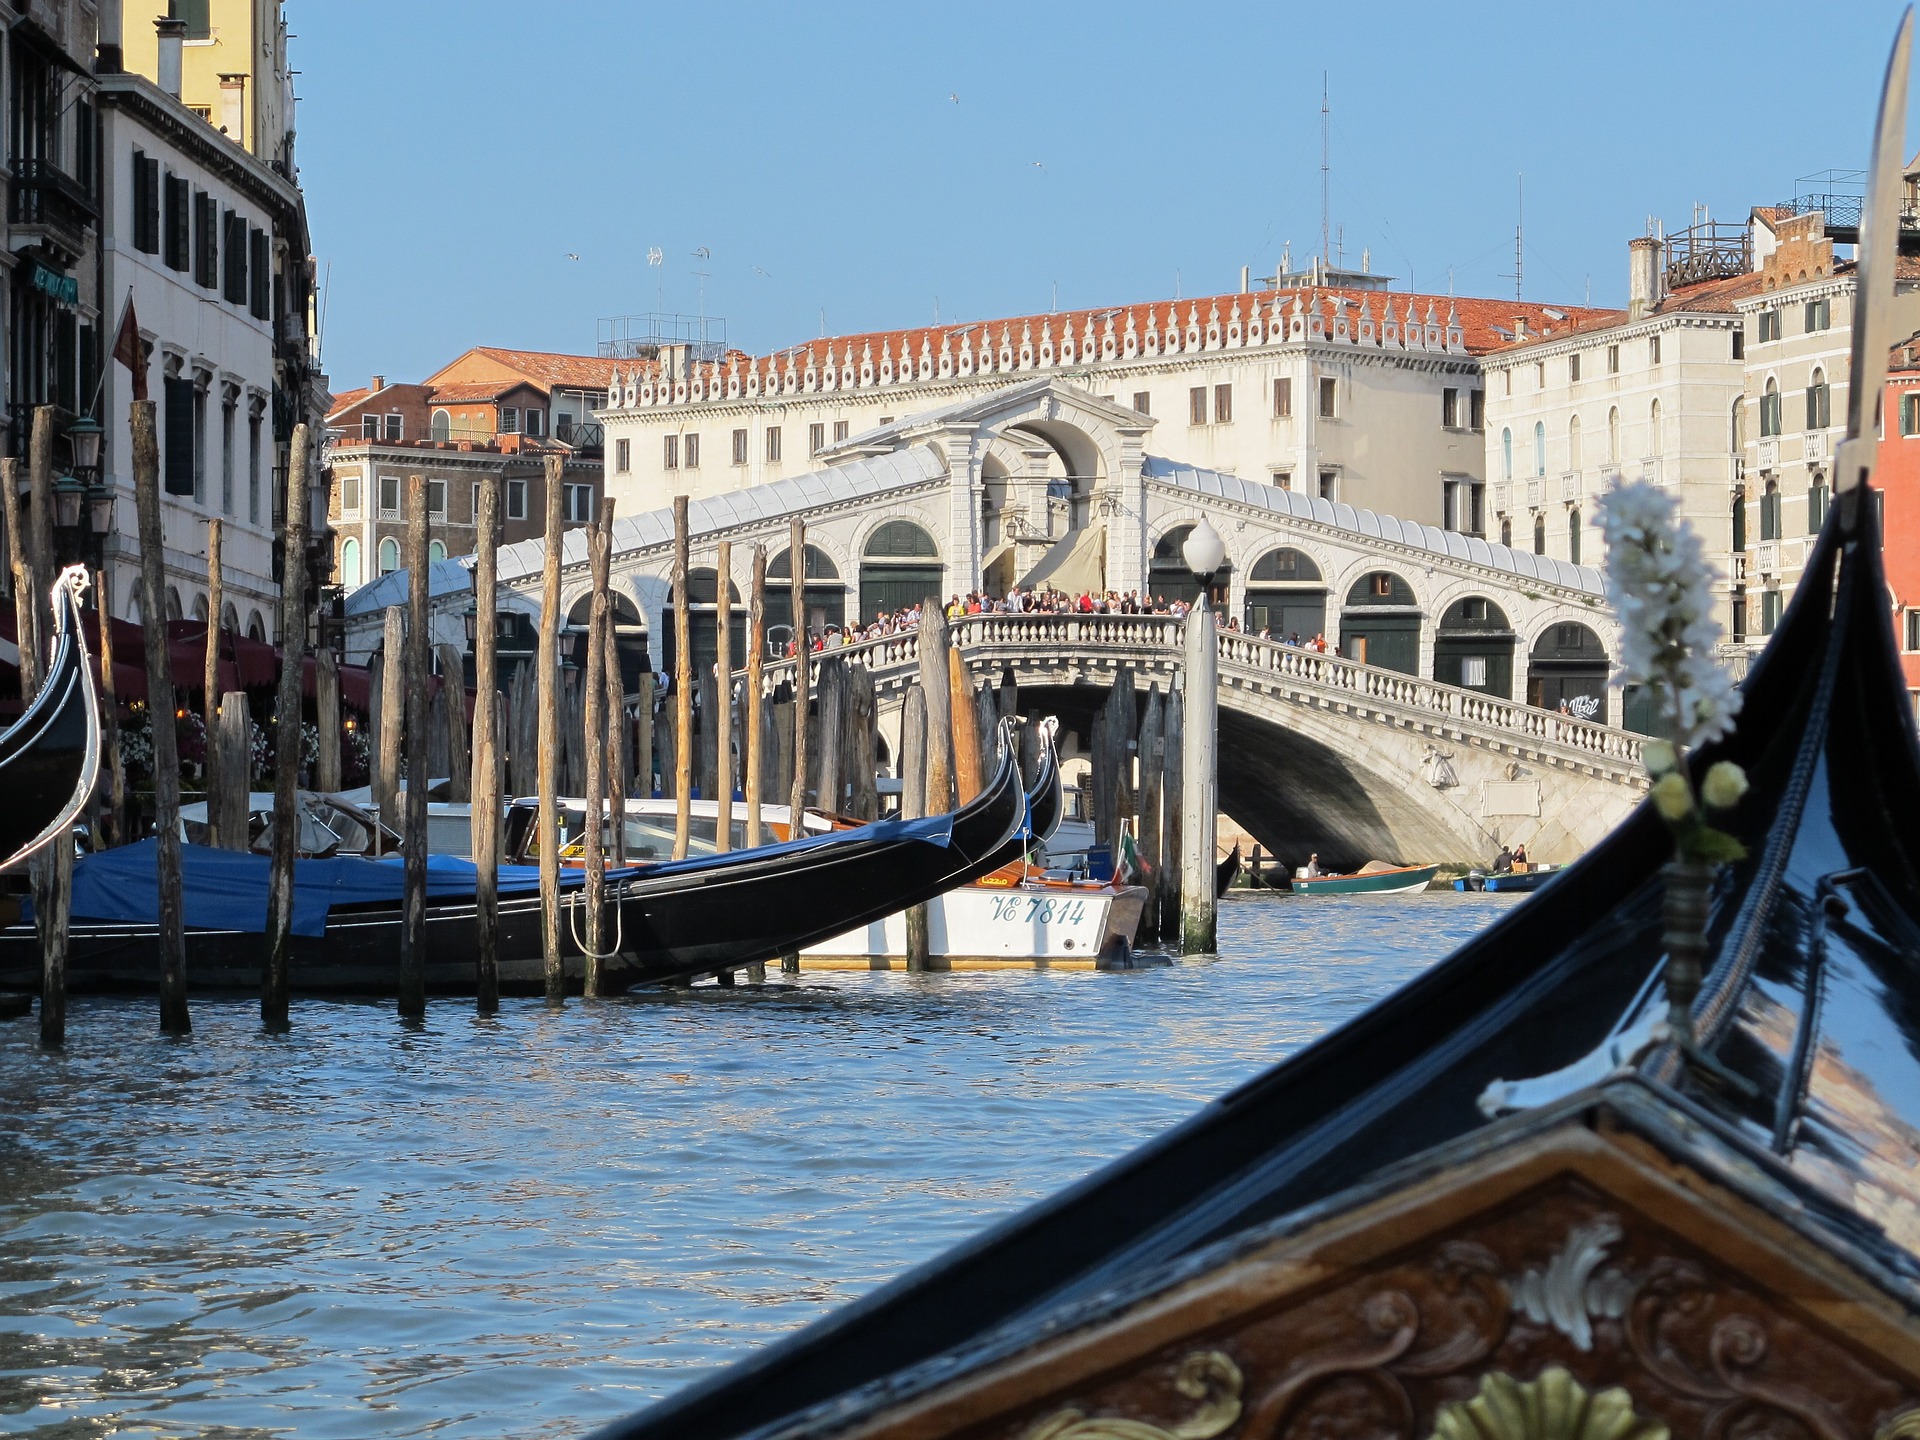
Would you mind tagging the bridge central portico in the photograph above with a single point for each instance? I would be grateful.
(1316, 752)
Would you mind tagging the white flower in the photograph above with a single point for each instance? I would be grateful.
(1658, 756)
(1726, 782)
(1671, 796)
(1661, 587)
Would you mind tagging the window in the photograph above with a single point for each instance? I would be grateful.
(436, 551)
(1573, 443)
(816, 439)
(227, 417)
(1573, 368)
(1740, 342)
(1539, 447)
(1506, 454)
(1913, 629)
(389, 556)
(517, 499)
(177, 455)
(1613, 359)
(1653, 349)
(578, 504)
(1477, 409)
(1770, 513)
(1223, 404)
(739, 447)
(254, 422)
(1738, 622)
(509, 420)
(396, 428)
(536, 422)
(1462, 504)
(1142, 402)
(1283, 479)
(260, 275)
(1819, 402)
(1380, 584)
(1506, 532)
(389, 497)
(473, 504)
(1450, 408)
(177, 222)
(1573, 535)
(206, 241)
(1819, 315)
(1655, 434)
(369, 427)
(1197, 405)
(1507, 376)
(146, 203)
(839, 431)
(1816, 505)
(623, 455)
(1329, 484)
(234, 241)
(670, 452)
(1282, 399)
(1769, 611)
(1473, 671)
(692, 447)
(1539, 534)
(1770, 409)
(1769, 325)
(1739, 520)
(437, 497)
(350, 562)
(1539, 374)
(1327, 396)
(1910, 413)
(1613, 435)
(195, 13)
(350, 495)
(773, 443)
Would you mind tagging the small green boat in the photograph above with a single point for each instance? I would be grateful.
(1386, 880)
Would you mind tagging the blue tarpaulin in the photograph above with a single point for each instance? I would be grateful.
(227, 890)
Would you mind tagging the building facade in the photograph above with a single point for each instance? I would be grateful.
(1897, 475)
(235, 70)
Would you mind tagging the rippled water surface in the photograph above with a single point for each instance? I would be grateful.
(530, 1224)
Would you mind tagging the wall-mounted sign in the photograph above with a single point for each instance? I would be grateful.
(64, 289)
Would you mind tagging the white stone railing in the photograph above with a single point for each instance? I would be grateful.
(1244, 658)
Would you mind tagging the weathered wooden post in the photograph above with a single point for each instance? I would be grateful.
(485, 784)
(376, 697)
(643, 737)
(174, 1019)
(754, 751)
(52, 868)
(453, 717)
(393, 716)
(210, 683)
(986, 707)
(723, 700)
(935, 684)
(1173, 808)
(617, 729)
(966, 735)
(829, 780)
(1122, 728)
(26, 613)
(286, 740)
(913, 805)
(682, 687)
(116, 830)
(40, 546)
(802, 670)
(413, 918)
(862, 744)
(548, 679)
(599, 547)
(27, 628)
(326, 704)
(1152, 779)
(1199, 790)
(227, 808)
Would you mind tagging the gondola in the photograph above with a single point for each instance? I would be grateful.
(50, 756)
(1226, 871)
(671, 922)
(1144, 1289)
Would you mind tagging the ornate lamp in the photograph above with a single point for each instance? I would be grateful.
(1205, 552)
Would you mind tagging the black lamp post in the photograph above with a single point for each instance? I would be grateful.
(82, 502)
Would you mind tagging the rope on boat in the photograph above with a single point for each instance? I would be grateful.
(576, 899)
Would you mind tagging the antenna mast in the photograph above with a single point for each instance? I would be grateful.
(1326, 151)
(1519, 243)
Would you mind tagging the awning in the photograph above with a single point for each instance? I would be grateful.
(1075, 564)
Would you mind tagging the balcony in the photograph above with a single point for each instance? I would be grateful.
(1536, 493)
(51, 203)
(1651, 470)
(1570, 485)
(1766, 557)
(1769, 453)
(1502, 499)
(1814, 452)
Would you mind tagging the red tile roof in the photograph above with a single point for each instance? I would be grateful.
(1709, 297)
(544, 368)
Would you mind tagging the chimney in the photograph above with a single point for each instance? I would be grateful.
(233, 107)
(1245, 279)
(1644, 288)
(173, 34)
(108, 57)
(1519, 327)
(379, 383)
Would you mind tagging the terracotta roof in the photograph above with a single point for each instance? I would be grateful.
(347, 399)
(1476, 319)
(473, 392)
(1707, 297)
(544, 368)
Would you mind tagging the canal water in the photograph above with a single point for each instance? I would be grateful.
(527, 1225)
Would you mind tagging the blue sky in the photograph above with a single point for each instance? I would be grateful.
(869, 162)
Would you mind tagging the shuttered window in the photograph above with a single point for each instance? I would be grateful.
(177, 222)
(146, 203)
(177, 460)
(206, 241)
(260, 276)
(235, 289)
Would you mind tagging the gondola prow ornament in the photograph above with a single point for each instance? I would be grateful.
(50, 757)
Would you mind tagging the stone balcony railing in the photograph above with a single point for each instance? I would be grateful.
(1063, 643)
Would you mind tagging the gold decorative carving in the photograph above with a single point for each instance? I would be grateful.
(1208, 1376)
(1554, 1407)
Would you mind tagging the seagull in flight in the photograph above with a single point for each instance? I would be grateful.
(953, 96)
(763, 274)
(703, 253)
(572, 256)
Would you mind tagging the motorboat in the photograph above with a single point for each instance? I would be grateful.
(1373, 878)
(1506, 882)
(673, 921)
(50, 756)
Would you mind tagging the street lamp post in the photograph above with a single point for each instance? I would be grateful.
(1204, 553)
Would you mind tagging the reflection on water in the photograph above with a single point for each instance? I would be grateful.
(529, 1224)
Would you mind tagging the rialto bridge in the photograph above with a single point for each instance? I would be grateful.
(1416, 738)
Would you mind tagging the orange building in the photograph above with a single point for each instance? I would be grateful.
(1898, 475)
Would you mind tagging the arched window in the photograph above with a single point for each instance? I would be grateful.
(1770, 409)
(899, 568)
(1568, 663)
(350, 562)
(1539, 447)
(1540, 534)
(1613, 436)
(1473, 647)
(1573, 535)
(200, 608)
(1739, 518)
(1816, 504)
(1770, 511)
(1506, 454)
(1506, 532)
(230, 619)
(389, 555)
(256, 627)
(1819, 402)
(1380, 623)
(1737, 429)
(173, 603)
(1286, 597)
(436, 550)
(442, 428)
(1168, 575)
(825, 594)
(1653, 429)
(1573, 443)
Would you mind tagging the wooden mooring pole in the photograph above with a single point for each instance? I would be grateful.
(754, 748)
(286, 740)
(174, 1018)
(1199, 798)
(599, 548)
(393, 716)
(210, 682)
(413, 839)
(964, 728)
(547, 677)
(682, 687)
(326, 705)
(1172, 805)
(802, 671)
(51, 870)
(913, 805)
(485, 782)
(616, 728)
(227, 810)
(722, 718)
(936, 685)
(116, 827)
(1152, 781)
